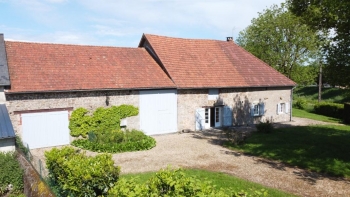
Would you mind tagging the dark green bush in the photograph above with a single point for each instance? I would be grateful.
(300, 103)
(116, 141)
(265, 127)
(174, 183)
(346, 113)
(234, 136)
(10, 173)
(102, 119)
(329, 109)
(76, 174)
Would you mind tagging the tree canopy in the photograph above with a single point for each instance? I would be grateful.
(282, 40)
(334, 16)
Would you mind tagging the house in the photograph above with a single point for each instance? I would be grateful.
(7, 134)
(220, 82)
(176, 83)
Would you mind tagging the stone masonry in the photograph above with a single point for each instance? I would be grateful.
(239, 99)
(17, 103)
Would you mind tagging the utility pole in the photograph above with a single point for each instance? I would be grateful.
(320, 83)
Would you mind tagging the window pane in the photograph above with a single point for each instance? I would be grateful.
(256, 109)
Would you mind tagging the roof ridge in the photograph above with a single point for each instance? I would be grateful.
(195, 39)
(65, 44)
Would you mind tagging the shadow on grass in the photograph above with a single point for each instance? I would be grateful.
(322, 149)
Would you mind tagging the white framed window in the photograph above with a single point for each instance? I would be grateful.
(213, 94)
(282, 108)
(257, 109)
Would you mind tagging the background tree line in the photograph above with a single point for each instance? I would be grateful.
(300, 35)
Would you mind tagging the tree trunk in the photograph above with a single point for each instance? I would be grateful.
(320, 84)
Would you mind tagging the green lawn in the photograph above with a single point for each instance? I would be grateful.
(221, 180)
(304, 114)
(335, 95)
(318, 148)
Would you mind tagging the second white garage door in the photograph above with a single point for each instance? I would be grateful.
(158, 111)
(45, 129)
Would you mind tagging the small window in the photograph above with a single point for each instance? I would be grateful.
(213, 94)
(257, 109)
(282, 108)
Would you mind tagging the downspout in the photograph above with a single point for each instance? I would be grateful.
(291, 103)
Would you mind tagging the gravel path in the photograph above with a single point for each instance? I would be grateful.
(203, 150)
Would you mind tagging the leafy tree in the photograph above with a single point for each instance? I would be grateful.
(331, 15)
(280, 39)
(305, 75)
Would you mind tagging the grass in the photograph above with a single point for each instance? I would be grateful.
(335, 95)
(317, 148)
(221, 180)
(305, 114)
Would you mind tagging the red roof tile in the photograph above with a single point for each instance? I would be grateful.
(36, 67)
(198, 63)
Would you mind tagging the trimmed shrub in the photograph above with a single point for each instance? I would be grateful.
(329, 109)
(10, 173)
(76, 174)
(174, 183)
(265, 127)
(300, 103)
(346, 113)
(116, 141)
(80, 122)
(102, 119)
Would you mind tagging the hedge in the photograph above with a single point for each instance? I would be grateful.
(116, 141)
(346, 113)
(329, 109)
(10, 173)
(76, 174)
(175, 183)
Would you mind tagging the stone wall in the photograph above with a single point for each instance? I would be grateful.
(239, 99)
(34, 186)
(17, 103)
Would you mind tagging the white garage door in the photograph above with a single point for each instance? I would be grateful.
(158, 111)
(45, 129)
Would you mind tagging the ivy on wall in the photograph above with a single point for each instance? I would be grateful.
(101, 120)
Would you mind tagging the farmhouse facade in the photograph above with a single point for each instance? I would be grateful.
(176, 83)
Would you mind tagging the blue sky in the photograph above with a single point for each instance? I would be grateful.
(122, 22)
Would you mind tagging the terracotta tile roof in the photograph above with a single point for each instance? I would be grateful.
(38, 67)
(198, 63)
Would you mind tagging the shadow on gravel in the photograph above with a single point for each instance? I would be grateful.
(272, 164)
(213, 136)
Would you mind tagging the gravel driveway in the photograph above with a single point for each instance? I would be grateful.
(203, 150)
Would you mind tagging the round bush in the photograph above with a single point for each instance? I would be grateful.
(300, 103)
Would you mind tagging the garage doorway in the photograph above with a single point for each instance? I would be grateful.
(45, 129)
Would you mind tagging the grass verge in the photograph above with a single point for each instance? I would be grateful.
(221, 180)
(304, 114)
(318, 148)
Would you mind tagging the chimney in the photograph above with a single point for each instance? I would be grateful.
(229, 39)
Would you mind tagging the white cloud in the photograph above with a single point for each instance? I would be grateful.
(222, 15)
(115, 22)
